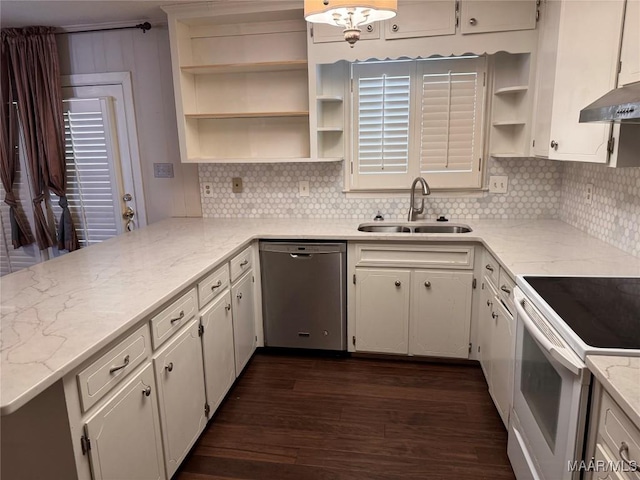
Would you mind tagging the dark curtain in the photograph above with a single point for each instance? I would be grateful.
(33, 60)
(20, 230)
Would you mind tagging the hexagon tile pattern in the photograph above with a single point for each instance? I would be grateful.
(271, 191)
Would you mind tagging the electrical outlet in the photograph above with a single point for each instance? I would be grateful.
(588, 195)
(236, 185)
(208, 189)
(498, 184)
(303, 188)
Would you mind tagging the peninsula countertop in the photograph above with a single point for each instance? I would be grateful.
(56, 314)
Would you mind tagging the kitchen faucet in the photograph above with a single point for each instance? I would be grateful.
(413, 211)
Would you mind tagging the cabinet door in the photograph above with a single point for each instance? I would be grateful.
(630, 51)
(217, 349)
(440, 313)
(586, 69)
(382, 310)
(482, 16)
(244, 329)
(485, 327)
(180, 379)
(417, 18)
(125, 433)
(502, 358)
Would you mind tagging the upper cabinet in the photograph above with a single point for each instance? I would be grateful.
(417, 18)
(630, 52)
(240, 79)
(577, 63)
(480, 16)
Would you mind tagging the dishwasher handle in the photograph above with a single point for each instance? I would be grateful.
(302, 249)
(301, 256)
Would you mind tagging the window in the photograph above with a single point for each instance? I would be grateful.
(418, 118)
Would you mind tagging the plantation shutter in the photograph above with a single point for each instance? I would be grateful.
(383, 112)
(451, 120)
(91, 170)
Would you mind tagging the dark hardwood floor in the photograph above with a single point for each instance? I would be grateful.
(300, 417)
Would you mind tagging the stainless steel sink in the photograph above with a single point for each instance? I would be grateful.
(414, 227)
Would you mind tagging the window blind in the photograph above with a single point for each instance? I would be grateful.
(91, 171)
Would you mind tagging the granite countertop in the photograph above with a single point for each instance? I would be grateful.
(620, 376)
(56, 314)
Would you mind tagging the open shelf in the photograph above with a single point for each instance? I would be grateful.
(247, 115)
(245, 67)
(264, 160)
(511, 90)
(509, 123)
(508, 155)
(329, 98)
(330, 129)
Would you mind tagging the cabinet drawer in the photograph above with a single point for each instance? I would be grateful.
(169, 320)
(106, 372)
(491, 268)
(603, 456)
(414, 256)
(211, 286)
(241, 263)
(616, 428)
(505, 288)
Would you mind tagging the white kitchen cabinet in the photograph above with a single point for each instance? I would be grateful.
(243, 311)
(502, 353)
(578, 55)
(485, 327)
(417, 18)
(483, 16)
(218, 351)
(124, 435)
(179, 375)
(382, 310)
(630, 50)
(440, 313)
(411, 299)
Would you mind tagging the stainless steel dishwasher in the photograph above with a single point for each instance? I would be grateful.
(304, 294)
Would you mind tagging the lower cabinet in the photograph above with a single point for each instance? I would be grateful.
(218, 351)
(179, 375)
(125, 433)
(244, 328)
(412, 310)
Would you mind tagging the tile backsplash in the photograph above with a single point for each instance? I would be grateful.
(614, 214)
(271, 191)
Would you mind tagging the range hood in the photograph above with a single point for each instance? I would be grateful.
(619, 105)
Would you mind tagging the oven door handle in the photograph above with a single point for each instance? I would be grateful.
(561, 355)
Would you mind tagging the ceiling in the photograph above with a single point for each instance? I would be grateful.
(59, 13)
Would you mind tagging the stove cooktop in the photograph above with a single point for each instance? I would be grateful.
(603, 311)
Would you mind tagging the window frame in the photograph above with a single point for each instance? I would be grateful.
(470, 181)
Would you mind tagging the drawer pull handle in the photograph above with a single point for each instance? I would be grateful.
(398, 283)
(505, 289)
(227, 307)
(120, 367)
(427, 284)
(489, 267)
(624, 455)
(169, 368)
(244, 263)
(147, 391)
(239, 295)
(217, 285)
(179, 317)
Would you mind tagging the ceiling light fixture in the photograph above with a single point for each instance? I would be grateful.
(349, 14)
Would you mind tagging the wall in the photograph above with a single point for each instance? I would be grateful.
(146, 56)
(614, 215)
(272, 191)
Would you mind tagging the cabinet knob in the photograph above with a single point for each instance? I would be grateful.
(398, 283)
(427, 284)
(147, 391)
(227, 307)
(169, 368)
(472, 21)
(554, 144)
(239, 295)
(489, 303)
(395, 27)
(217, 285)
(494, 315)
(369, 28)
